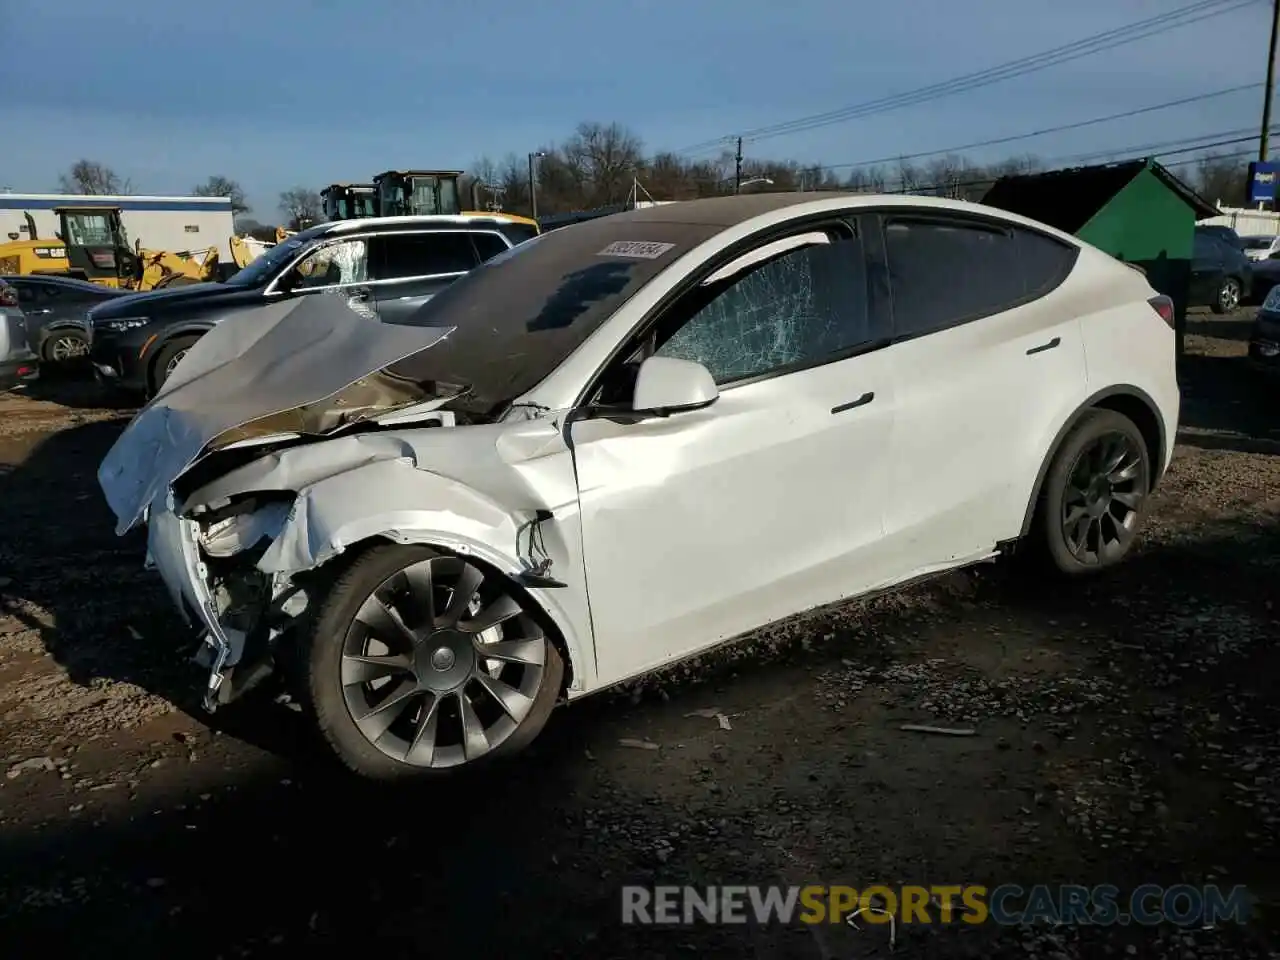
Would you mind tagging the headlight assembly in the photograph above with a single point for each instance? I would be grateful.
(125, 323)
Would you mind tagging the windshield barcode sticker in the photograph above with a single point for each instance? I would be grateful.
(635, 249)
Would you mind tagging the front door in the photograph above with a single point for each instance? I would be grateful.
(708, 523)
(411, 268)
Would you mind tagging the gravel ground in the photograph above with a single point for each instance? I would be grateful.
(1124, 732)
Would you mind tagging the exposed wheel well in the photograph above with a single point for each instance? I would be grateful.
(1127, 401)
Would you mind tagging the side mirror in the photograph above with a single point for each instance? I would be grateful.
(665, 385)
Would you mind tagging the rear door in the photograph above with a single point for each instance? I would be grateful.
(411, 268)
(988, 361)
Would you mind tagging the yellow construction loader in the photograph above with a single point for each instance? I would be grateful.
(92, 245)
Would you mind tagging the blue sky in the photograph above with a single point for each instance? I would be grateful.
(280, 93)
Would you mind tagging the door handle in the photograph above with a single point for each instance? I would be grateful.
(862, 401)
(1045, 346)
(37, 313)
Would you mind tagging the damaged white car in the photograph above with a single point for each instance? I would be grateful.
(631, 439)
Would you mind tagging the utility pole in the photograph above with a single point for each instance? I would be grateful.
(533, 182)
(1271, 77)
(737, 171)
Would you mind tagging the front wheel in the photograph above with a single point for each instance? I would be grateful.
(1094, 493)
(420, 663)
(168, 358)
(1228, 296)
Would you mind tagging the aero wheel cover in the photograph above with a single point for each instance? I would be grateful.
(440, 666)
(1103, 495)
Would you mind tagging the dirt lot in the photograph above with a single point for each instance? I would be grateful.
(1126, 732)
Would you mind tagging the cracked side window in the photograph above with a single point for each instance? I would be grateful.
(798, 308)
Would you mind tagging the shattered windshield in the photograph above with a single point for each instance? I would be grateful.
(521, 313)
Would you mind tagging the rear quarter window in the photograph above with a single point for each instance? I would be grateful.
(1043, 261)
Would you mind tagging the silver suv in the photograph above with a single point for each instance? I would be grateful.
(17, 361)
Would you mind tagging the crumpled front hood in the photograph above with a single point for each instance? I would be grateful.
(307, 365)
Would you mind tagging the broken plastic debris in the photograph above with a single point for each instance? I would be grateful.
(637, 744)
(712, 713)
(944, 731)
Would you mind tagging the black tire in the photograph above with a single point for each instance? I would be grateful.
(160, 367)
(1058, 503)
(321, 657)
(1229, 296)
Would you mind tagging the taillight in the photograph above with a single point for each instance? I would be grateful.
(8, 296)
(1163, 306)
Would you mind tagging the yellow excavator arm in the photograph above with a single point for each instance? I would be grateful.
(160, 268)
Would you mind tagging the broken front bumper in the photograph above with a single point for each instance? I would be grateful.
(173, 550)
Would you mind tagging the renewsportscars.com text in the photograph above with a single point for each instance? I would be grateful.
(1008, 904)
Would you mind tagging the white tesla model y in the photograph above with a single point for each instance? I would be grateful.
(631, 439)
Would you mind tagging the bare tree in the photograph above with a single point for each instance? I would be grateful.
(910, 178)
(91, 177)
(1221, 179)
(485, 179)
(300, 206)
(604, 159)
(219, 186)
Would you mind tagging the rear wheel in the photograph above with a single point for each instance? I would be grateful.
(1228, 296)
(1093, 497)
(420, 663)
(168, 358)
(65, 347)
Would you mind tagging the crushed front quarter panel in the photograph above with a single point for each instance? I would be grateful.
(475, 490)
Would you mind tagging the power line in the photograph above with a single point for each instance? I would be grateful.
(951, 185)
(1119, 36)
(1193, 13)
(997, 141)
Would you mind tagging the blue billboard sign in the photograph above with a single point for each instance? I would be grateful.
(1263, 175)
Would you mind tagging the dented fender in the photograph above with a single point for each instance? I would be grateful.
(412, 506)
(399, 501)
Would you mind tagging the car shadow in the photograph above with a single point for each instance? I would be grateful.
(76, 389)
(1207, 325)
(1226, 405)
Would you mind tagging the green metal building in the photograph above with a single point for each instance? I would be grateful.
(1137, 211)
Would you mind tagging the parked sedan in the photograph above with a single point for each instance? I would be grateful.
(56, 309)
(1221, 275)
(17, 362)
(624, 442)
